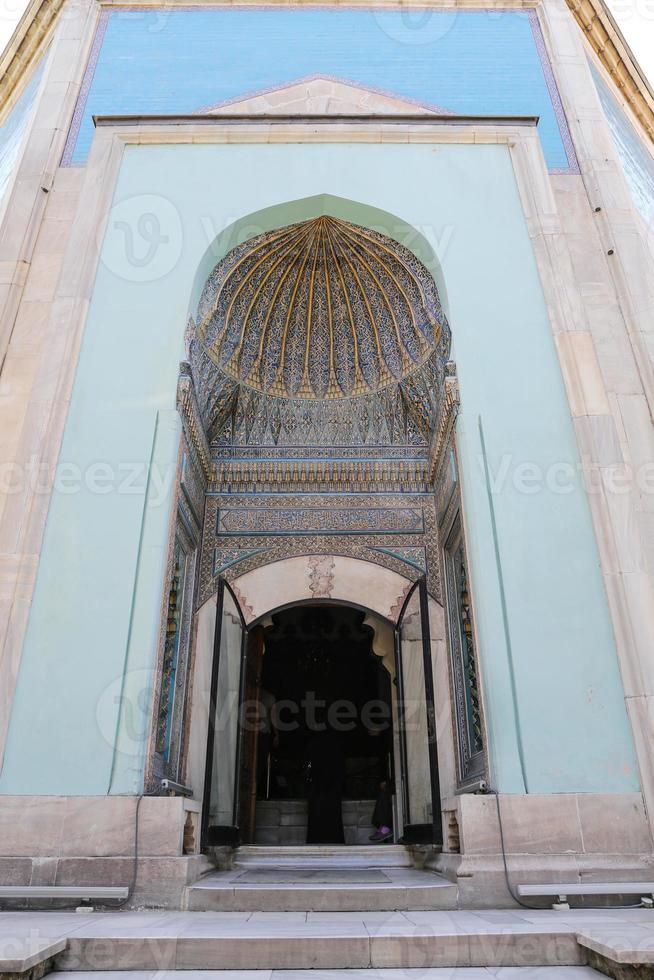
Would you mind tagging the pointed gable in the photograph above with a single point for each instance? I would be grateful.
(322, 95)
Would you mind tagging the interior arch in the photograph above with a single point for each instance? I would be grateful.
(311, 578)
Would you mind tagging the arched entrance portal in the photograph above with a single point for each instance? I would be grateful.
(311, 706)
(318, 468)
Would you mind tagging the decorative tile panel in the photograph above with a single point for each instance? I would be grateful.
(319, 309)
(412, 556)
(224, 558)
(270, 527)
(181, 60)
(193, 486)
(320, 520)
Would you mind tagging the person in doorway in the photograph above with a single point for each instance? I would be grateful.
(325, 775)
(382, 815)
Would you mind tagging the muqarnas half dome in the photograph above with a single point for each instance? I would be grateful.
(322, 309)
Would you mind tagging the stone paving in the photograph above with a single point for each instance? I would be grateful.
(251, 946)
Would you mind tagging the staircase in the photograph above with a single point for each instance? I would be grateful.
(293, 909)
(333, 909)
(322, 879)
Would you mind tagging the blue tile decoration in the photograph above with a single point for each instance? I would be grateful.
(181, 60)
(412, 556)
(242, 533)
(325, 519)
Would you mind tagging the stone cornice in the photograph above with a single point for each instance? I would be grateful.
(320, 476)
(614, 53)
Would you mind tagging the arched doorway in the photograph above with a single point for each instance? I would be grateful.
(316, 728)
(302, 708)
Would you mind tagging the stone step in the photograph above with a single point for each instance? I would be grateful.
(256, 888)
(435, 973)
(293, 941)
(30, 957)
(325, 855)
(406, 941)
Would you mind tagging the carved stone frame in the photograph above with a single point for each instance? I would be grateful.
(471, 766)
(187, 535)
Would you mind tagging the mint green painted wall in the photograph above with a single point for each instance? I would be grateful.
(88, 619)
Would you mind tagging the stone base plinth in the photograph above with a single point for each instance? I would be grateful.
(567, 837)
(92, 840)
(47, 840)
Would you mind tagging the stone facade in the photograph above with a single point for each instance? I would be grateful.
(591, 254)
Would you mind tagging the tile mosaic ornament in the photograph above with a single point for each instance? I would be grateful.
(336, 538)
(318, 545)
(293, 474)
(332, 454)
(319, 355)
(224, 558)
(193, 486)
(412, 556)
(320, 519)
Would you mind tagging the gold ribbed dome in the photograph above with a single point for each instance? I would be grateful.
(319, 309)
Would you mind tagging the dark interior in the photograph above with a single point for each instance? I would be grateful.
(320, 671)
